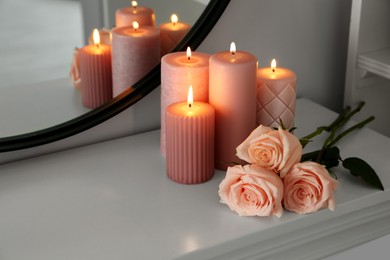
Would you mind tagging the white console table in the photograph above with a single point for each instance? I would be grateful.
(112, 200)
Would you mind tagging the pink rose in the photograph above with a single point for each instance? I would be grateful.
(276, 150)
(75, 69)
(251, 190)
(308, 187)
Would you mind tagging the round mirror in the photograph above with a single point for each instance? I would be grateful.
(86, 119)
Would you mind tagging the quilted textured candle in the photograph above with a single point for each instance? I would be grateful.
(127, 15)
(178, 71)
(190, 142)
(172, 33)
(232, 92)
(135, 51)
(276, 96)
(95, 73)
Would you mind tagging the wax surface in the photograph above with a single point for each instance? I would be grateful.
(177, 74)
(276, 96)
(127, 15)
(95, 74)
(134, 54)
(190, 142)
(171, 35)
(232, 92)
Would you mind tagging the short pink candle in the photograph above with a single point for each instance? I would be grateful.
(178, 71)
(127, 15)
(172, 33)
(276, 95)
(135, 51)
(232, 92)
(190, 142)
(95, 73)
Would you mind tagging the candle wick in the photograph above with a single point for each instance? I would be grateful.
(273, 70)
(189, 58)
(190, 105)
(97, 46)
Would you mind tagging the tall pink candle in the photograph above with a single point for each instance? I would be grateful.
(172, 33)
(190, 142)
(127, 15)
(135, 51)
(178, 71)
(276, 95)
(232, 92)
(95, 73)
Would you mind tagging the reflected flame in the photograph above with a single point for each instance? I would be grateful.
(273, 65)
(174, 19)
(135, 25)
(188, 53)
(190, 97)
(96, 36)
(134, 4)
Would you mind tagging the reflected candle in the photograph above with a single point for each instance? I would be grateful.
(180, 69)
(276, 96)
(127, 15)
(190, 141)
(95, 73)
(232, 92)
(172, 33)
(135, 51)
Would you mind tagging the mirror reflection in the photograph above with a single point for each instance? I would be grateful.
(36, 53)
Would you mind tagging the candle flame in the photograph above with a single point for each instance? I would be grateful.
(174, 19)
(135, 25)
(233, 48)
(190, 98)
(189, 53)
(96, 37)
(273, 65)
(134, 4)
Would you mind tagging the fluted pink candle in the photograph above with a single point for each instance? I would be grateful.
(190, 142)
(127, 15)
(178, 71)
(95, 73)
(232, 92)
(135, 51)
(172, 33)
(276, 96)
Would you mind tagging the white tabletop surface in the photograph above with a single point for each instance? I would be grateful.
(112, 200)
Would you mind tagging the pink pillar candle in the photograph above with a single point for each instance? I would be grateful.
(127, 15)
(134, 53)
(190, 142)
(232, 92)
(276, 95)
(172, 33)
(177, 73)
(95, 74)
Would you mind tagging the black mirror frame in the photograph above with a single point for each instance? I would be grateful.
(147, 84)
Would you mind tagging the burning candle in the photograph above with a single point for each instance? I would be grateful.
(127, 15)
(95, 73)
(276, 95)
(135, 51)
(172, 33)
(182, 69)
(232, 92)
(190, 141)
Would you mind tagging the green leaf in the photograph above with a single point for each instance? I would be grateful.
(330, 157)
(360, 168)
